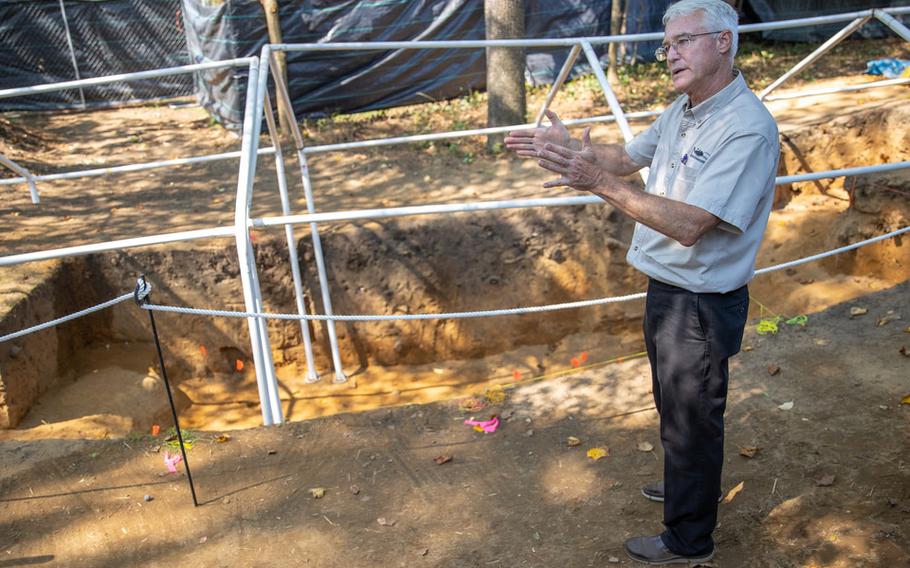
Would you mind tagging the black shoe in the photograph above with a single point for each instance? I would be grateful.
(655, 492)
(651, 550)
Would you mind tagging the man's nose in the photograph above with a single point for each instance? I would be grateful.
(672, 54)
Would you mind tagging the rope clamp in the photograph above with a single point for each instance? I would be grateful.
(142, 291)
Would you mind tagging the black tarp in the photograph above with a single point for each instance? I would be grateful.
(109, 37)
(775, 10)
(322, 83)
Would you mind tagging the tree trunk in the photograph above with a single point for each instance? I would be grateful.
(616, 17)
(270, 7)
(505, 19)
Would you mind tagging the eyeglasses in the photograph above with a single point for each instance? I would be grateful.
(682, 42)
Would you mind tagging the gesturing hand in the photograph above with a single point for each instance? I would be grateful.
(578, 168)
(528, 143)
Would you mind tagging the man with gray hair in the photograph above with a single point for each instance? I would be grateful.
(699, 223)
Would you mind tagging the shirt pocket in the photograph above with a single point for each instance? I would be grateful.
(685, 181)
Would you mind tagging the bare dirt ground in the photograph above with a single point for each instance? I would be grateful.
(76, 471)
(829, 484)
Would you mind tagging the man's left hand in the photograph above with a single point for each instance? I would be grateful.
(578, 168)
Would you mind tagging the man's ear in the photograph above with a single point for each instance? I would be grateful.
(725, 41)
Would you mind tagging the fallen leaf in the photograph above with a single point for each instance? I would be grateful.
(385, 522)
(748, 451)
(423, 551)
(855, 311)
(887, 318)
(572, 441)
(441, 459)
(471, 404)
(906, 399)
(748, 348)
(645, 447)
(317, 492)
(203, 539)
(907, 329)
(584, 356)
(826, 481)
(494, 394)
(222, 438)
(575, 362)
(238, 365)
(597, 453)
(355, 490)
(904, 351)
(786, 406)
(155, 429)
(734, 492)
(773, 369)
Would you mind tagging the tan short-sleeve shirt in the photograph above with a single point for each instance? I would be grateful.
(720, 156)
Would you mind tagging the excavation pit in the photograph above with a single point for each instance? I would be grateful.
(98, 376)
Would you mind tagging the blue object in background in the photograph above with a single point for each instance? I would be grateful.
(889, 68)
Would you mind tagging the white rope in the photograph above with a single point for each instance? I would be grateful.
(72, 316)
(489, 313)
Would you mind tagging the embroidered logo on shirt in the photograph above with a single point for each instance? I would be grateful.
(700, 155)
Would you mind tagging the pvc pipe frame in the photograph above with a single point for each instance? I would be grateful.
(26, 176)
(256, 96)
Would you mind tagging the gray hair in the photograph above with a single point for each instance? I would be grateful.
(716, 15)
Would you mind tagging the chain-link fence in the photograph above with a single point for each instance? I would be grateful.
(47, 41)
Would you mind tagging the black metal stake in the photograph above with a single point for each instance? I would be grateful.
(143, 290)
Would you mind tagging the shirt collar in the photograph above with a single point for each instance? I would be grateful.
(718, 100)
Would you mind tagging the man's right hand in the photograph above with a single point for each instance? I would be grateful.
(530, 143)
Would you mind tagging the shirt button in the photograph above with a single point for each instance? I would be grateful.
(672, 164)
(683, 134)
(662, 193)
(635, 248)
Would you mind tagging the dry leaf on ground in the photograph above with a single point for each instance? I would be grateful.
(773, 369)
(222, 438)
(904, 351)
(734, 492)
(856, 311)
(572, 441)
(317, 492)
(441, 459)
(645, 447)
(786, 406)
(906, 399)
(385, 522)
(748, 451)
(597, 453)
(887, 318)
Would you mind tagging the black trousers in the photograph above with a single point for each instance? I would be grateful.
(690, 337)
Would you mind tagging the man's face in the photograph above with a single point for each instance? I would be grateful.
(692, 67)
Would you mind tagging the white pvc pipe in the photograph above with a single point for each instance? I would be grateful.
(26, 176)
(890, 21)
(833, 90)
(340, 377)
(69, 41)
(135, 167)
(822, 49)
(560, 79)
(241, 235)
(269, 364)
(150, 74)
(121, 244)
(311, 375)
